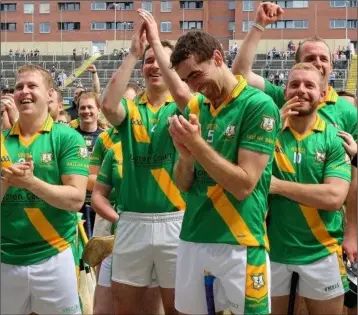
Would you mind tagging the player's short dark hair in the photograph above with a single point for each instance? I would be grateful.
(199, 44)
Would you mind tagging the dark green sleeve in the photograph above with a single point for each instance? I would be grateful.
(338, 163)
(105, 172)
(74, 157)
(261, 125)
(98, 153)
(277, 93)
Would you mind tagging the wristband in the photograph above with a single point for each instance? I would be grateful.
(258, 26)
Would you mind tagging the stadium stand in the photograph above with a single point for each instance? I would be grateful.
(107, 64)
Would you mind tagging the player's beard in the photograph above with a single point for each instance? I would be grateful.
(308, 111)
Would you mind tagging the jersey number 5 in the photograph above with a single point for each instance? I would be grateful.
(210, 138)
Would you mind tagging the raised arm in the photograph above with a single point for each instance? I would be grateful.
(96, 86)
(266, 13)
(111, 105)
(178, 89)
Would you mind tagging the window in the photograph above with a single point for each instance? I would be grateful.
(120, 5)
(293, 4)
(44, 8)
(342, 4)
(100, 6)
(289, 24)
(352, 24)
(28, 8)
(248, 6)
(165, 27)
(191, 4)
(337, 4)
(44, 27)
(342, 24)
(231, 26)
(120, 26)
(8, 27)
(69, 6)
(147, 5)
(246, 25)
(69, 26)
(28, 28)
(165, 6)
(190, 25)
(98, 26)
(231, 5)
(8, 7)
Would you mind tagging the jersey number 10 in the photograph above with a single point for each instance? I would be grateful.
(297, 157)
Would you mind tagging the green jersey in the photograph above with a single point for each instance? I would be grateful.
(335, 110)
(111, 171)
(149, 157)
(103, 143)
(300, 234)
(248, 120)
(31, 229)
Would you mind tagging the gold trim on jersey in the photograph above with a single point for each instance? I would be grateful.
(318, 228)
(319, 125)
(5, 157)
(194, 107)
(154, 109)
(45, 229)
(107, 141)
(139, 130)
(282, 160)
(256, 283)
(331, 97)
(231, 216)
(234, 94)
(46, 127)
(118, 154)
(168, 187)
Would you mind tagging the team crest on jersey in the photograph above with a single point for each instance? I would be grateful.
(88, 142)
(258, 281)
(267, 123)
(230, 131)
(320, 156)
(83, 152)
(46, 157)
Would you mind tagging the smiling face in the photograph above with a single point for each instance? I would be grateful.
(88, 110)
(318, 54)
(32, 94)
(151, 72)
(307, 86)
(203, 77)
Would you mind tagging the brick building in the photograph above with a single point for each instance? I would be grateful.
(59, 26)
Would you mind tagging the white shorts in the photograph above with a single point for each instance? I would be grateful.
(242, 278)
(146, 241)
(101, 227)
(105, 274)
(321, 280)
(48, 287)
